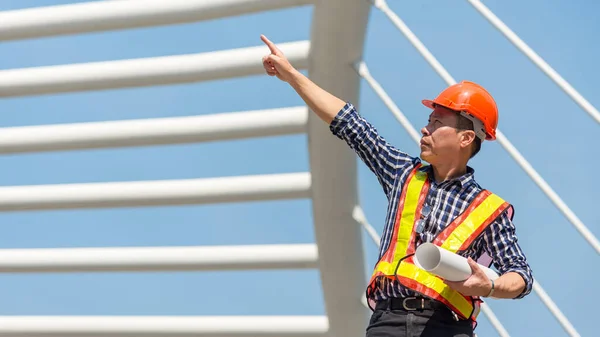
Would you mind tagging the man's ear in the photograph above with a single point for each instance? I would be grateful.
(466, 138)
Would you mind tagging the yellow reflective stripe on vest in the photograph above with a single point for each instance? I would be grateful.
(407, 220)
(436, 284)
(470, 225)
(405, 227)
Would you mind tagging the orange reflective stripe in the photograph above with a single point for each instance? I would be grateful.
(450, 228)
(481, 228)
(476, 221)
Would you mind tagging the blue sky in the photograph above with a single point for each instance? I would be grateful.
(557, 137)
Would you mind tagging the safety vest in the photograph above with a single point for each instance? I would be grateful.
(397, 261)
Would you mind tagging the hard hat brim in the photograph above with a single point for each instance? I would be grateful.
(428, 103)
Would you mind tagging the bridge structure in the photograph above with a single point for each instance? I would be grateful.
(332, 57)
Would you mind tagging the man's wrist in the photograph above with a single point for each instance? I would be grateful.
(492, 289)
(295, 78)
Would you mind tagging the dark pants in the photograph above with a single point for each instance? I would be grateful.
(394, 321)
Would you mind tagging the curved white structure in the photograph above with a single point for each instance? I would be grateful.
(100, 16)
(337, 39)
(143, 72)
(216, 326)
(296, 256)
(336, 44)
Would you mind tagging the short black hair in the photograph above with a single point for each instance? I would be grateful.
(463, 123)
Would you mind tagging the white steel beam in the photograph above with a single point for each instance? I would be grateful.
(112, 15)
(144, 71)
(154, 193)
(157, 131)
(536, 59)
(493, 319)
(337, 38)
(554, 309)
(292, 256)
(163, 326)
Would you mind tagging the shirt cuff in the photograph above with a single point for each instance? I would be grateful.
(528, 282)
(341, 120)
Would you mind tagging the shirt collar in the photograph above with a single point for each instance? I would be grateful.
(463, 180)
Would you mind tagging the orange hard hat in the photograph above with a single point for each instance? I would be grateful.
(472, 101)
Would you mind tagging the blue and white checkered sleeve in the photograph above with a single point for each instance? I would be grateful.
(501, 243)
(382, 158)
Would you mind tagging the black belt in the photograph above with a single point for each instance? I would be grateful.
(410, 304)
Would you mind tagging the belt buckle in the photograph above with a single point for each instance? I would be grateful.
(415, 308)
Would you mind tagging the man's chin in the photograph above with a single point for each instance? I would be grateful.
(426, 156)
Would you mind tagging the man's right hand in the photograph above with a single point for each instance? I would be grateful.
(324, 104)
(276, 64)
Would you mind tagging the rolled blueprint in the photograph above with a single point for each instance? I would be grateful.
(445, 264)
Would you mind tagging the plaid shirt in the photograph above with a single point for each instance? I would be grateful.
(446, 200)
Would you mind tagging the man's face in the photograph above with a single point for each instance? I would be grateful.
(441, 141)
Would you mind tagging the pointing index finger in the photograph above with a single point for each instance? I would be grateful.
(271, 45)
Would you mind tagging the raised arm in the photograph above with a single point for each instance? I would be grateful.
(344, 121)
(324, 104)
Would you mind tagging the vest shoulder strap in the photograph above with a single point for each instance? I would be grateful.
(464, 229)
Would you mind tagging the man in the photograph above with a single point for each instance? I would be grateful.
(439, 203)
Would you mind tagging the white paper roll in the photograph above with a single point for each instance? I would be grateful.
(445, 264)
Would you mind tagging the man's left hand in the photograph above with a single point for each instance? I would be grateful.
(478, 284)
